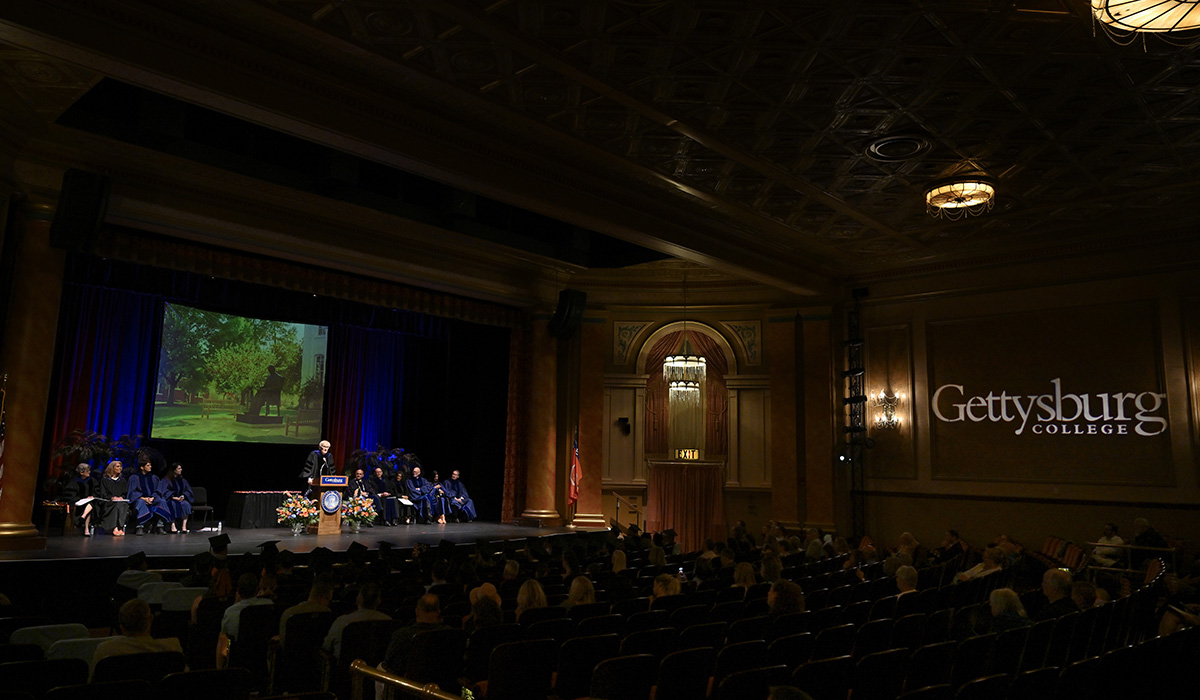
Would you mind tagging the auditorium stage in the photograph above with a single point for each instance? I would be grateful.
(77, 547)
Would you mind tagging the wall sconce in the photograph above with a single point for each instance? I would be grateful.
(886, 417)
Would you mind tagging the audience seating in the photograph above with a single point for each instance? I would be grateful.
(82, 649)
(684, 675)
(655, 642)
(792, 650)
(986, 688)
(521, 670)
(149, 666)
(623, 678)
(209, 684)
(46, 635)
(36, 677)
(751, 683)
(135, 688)
(825, 679)
(880, 675)
(576, 659)
(711, 634)
(21, 652)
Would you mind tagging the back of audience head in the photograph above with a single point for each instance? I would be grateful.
(618, 561)
(906, 578)
(582, 591)
(666, 585)
(247, 586)
(743, 575)
(369, 596)
(428, 609)
(1056, 584)
(785, 597)
(771, 569)
(530, 596)
(135, 618)
(1005, 601)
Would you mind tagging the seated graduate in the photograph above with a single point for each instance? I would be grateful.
(114, 510)
(175, 494)
(148, 507)
(384, 490)
(420, 492)
(461, 505)
(441, 502)
(77, 489)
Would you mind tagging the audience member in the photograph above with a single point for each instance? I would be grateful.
(1084, 594)
(1146, 536)
(530, 596)
(1106, 554)
(1007, 611)
(134, 620)
(785, 597)
(665, 585)
(743, 576)
(771, 568)
(1056, 586)
(366, 609)
(582, 592)
(319, 598)
(247, 589)
(993, 561)
(137, 572)
(428, 617)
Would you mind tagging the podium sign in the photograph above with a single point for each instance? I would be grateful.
(329, 497)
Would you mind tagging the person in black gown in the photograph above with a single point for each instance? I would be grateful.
(319, 463)
(114, 509)
(385, 496)
(78, 488)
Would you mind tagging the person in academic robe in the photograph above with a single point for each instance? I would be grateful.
(441, 503)
(149, 509)
(359, 487)
(114, 510)
(319, 463)
(78, 488)
(461, 505)
(384, 490)
(176, 494)
(420, 492)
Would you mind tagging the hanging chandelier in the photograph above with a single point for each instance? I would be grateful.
(1127, 16)
(685, 369)
(954, 200)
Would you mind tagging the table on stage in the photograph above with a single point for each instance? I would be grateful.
(250, 509)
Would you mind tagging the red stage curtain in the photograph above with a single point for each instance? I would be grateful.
(688, 498)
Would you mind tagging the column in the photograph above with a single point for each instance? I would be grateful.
(591, 424)
(787, 420)
(541, 454)
(27, 357)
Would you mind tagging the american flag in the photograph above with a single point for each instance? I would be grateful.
(576, 474)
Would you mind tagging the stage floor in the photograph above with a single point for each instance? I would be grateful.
(247, 540)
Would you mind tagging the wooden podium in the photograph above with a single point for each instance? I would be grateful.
(329, 501)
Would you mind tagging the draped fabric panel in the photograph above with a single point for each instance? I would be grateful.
(689, 498)
(517, 426)
(108, 340)
(365, 393)
(716, 396)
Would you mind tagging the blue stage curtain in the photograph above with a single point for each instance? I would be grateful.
(365, 393)
(108, 340)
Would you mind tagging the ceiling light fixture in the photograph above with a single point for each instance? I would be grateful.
(1124, 19)
(954, 200)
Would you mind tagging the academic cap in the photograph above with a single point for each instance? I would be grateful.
(136, 559)
(269, 550)
(219, 542)
(356, 548)
(668, 533)
(384, 547)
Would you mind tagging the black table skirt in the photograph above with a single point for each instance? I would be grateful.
(249, 509)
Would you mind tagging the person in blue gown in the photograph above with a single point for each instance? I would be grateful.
(420, 492)
(148, 507)
(461, 505)
(176, 495)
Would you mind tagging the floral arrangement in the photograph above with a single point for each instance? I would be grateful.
(297, 510)
(358, 510)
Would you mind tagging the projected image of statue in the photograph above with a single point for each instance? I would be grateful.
(226, 377)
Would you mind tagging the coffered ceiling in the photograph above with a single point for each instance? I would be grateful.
(779, 142)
